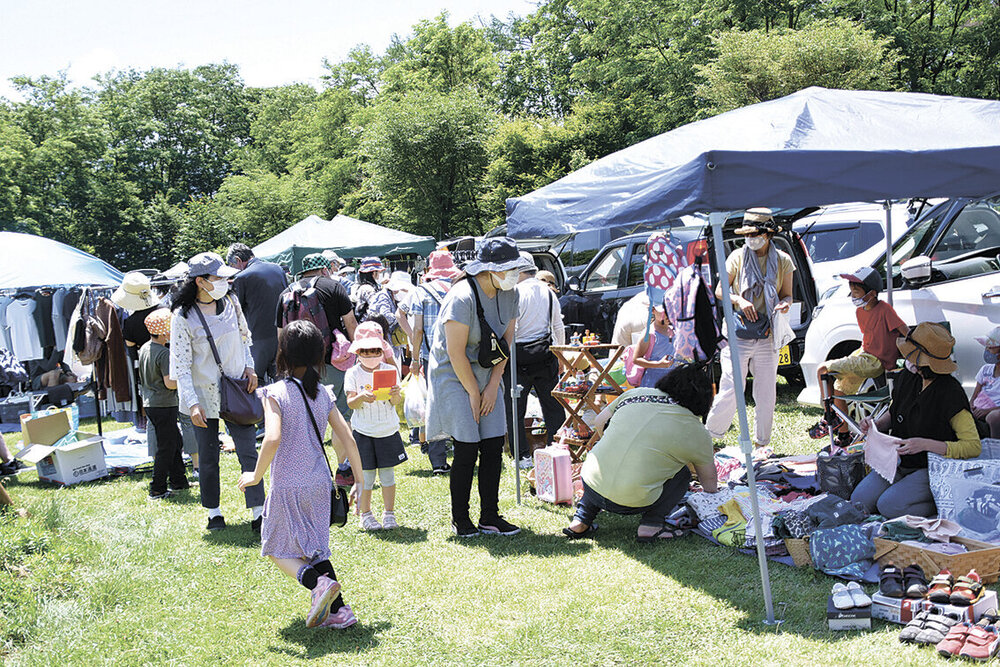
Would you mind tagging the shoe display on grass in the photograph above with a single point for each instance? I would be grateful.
(340, 619)
(498, 526)
(954, 640)
(367, 521)
(216, 523)
(940, 587)
(980, 643)
(914, 582)
(890, 582)
(858, 596)
(967, 590)
(389, 521)
(464, 528)
(323, 595)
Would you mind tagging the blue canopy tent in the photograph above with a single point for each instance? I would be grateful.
(814, 147)
(27, 260)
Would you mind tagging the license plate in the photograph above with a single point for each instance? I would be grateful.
(784, 356)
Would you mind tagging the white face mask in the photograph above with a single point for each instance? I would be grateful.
(756, 242)
(219, 288)
(509, 280)
(858, 301)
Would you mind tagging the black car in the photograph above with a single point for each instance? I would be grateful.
(615, 275)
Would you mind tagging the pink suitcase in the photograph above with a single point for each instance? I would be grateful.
(553, 474)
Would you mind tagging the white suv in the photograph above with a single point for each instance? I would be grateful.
(945, 268)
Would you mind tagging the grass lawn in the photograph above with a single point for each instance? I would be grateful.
(100, 574)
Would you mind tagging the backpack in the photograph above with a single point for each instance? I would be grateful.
(301, 302)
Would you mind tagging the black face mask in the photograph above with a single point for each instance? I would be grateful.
(926, 372)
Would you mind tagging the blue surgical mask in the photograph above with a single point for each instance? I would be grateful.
(990, 357)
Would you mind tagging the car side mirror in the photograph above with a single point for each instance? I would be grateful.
(573, 285)
(917, 270)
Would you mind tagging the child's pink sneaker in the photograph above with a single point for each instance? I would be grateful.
(323, 595)
(343, 618)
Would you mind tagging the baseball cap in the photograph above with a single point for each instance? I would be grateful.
(866, 276)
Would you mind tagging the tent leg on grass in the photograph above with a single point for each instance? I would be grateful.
(717, 220)
(514, 438)
(887, 205)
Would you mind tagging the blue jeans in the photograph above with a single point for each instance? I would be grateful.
(652, 515)
(910, 493)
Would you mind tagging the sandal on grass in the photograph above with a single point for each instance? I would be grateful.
(940, 588)
(967, 589)
(573, 535)
(665, 533)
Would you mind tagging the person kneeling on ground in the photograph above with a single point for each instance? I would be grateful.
(640, 464)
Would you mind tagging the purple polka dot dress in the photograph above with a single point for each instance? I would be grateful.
(297, 510)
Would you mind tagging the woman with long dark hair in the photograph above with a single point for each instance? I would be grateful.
(202, 305)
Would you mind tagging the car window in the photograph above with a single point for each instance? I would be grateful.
(586, 245)
(826, 244)
(977, 227)
(914, 241)
(636, 265)
(605, 275)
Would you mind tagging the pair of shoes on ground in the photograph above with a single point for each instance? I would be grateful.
(911, 582)
(961, 592)
(929, 626)
(975, 642)
(219, 523)
(367, 521)
(849, 596)
(495, 526)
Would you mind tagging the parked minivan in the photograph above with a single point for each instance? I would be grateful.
(615, 275)
(945, 268)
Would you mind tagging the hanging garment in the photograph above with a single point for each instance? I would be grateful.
(43, 317)
(4, 331)
(114, 366)
(12, 371)
(690, 307)
(23, 329)
(59, 322)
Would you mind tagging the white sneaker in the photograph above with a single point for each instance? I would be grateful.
(369, 522)
(526, 463)
(858, 595)
(389, 521)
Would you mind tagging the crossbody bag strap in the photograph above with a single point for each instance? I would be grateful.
(211, 339)
(479, 307)
(312, 420)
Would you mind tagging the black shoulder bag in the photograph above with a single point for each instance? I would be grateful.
(536, 352)
(493, 349)
(236, 404)
(339, 500)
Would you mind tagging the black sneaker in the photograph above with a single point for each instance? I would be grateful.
(498, 526)
(443, 470)
(180, 487)
(256, 524)
(216, 523)
(160, 496)
(464, 528)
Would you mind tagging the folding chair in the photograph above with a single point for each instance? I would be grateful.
(872, 400)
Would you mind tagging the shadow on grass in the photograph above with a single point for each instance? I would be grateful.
(234, 535)
(318, 642)
(185, 497)
(401, 535)
(525, 543)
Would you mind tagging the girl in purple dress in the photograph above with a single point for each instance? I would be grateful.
(296, 527)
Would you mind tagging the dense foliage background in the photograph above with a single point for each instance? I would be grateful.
(431, 136)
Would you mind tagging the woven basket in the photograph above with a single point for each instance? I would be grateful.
(984, 557)
(798, 549)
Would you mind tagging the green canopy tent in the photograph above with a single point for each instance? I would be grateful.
(346, 236)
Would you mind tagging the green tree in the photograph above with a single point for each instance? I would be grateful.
(274, 127)
(756, 66)
(424, 157)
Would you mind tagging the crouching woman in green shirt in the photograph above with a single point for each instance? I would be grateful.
(640, 464)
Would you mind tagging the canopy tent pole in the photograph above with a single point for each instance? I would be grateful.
(717, 220)
(887, 205)
(514, 435)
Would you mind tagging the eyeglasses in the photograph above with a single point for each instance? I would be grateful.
(369, 353)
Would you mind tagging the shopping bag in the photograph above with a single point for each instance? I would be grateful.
(415, 401)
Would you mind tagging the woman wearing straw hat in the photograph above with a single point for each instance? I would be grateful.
(929, 413)
(465, 380)
(760, 281)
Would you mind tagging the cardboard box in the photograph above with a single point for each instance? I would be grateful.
(895, 610)
(72, 463)
(902, 610)
(855, 618)
(46, 428)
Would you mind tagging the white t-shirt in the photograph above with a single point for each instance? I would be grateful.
(378, 419)
(24, 334)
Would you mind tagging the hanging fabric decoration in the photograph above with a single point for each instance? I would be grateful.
(663, 263)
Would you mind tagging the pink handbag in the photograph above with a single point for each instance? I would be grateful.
(554, 474)
(340, 356)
